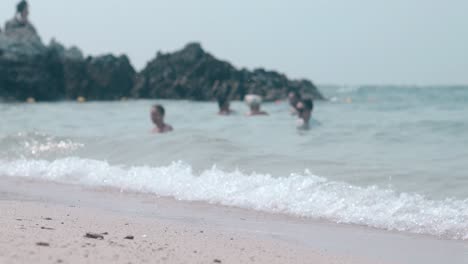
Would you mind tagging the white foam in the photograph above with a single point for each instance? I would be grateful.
(37, 144)
(37, 148)
(303, 195)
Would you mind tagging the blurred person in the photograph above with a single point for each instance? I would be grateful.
(157, 116)
(224, 106)
(254, 102)
(294, 97)
(304, 109)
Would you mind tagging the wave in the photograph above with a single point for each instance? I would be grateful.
(36, 145)
(398, 94)
(300, 195)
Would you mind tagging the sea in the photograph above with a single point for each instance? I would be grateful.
(386, 157)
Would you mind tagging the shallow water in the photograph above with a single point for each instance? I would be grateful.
(387, 157)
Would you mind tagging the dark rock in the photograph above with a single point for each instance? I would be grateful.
(72, 53)
(100, 78)
(43, 244)
(27, 68)
(21, 40)
(30, 69)
(48, 73)
(94, 236)
(192, 73)
(217, 261)
(129, 237)
(37, 76)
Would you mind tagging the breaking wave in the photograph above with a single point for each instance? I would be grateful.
(296, 194)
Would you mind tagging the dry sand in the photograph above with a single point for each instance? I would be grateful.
(47, 223)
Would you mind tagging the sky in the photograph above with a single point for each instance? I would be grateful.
(344, 42)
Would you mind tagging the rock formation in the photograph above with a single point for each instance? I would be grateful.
(28, 68)
(101, 78)
(192, 73)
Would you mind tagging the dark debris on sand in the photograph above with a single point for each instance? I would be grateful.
(94, 236)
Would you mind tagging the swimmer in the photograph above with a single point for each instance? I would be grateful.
(304, 109)
(224, 106)
(157, 116)
(254, 101)
(294, 97)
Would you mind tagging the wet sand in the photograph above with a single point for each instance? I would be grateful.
(42, 222)
(37, 232)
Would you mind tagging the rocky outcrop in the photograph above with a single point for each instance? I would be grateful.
(192, 73)
(28, 68)
(101, 78)
(20, 41)
(73, 53)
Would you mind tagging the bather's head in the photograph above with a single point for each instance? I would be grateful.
(253, 101)
(294, 97)
(157, 114)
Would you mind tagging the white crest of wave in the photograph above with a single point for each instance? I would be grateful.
(302, 195)
(36, 148)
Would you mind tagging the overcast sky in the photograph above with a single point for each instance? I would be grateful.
(351, 42)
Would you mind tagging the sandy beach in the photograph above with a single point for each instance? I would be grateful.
(37, 232)
(48, 223)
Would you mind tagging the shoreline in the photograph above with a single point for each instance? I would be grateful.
(294, 239)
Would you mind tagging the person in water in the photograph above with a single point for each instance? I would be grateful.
(20, 22)
(304, 109)
(157, 116)
(254, 101)
(224, 106)
(294, 97)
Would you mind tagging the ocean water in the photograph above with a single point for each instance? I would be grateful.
(394, 158)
